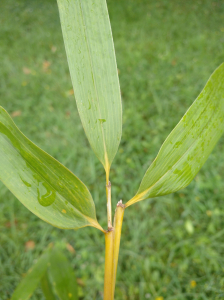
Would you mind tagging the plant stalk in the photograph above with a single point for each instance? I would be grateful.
(109, 210)
(118, 220)
(108, 276)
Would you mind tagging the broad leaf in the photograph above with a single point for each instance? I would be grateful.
(63, 276)
(47, 288)
(30, 282)
(41, 183)
(91, 58)
(189, 144)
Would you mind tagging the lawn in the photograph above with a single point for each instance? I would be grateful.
(172, 247)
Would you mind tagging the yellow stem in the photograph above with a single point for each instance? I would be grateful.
(109, 213)
(108, 276)
(118, 219)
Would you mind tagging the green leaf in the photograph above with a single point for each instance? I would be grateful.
(47, 287)
(92, 63)
(63, 276)
(30, 282)
(41, 183)
(189, 144)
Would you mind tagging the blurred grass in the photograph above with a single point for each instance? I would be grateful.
(173, 246)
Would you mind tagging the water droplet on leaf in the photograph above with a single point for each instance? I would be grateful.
(46, 196)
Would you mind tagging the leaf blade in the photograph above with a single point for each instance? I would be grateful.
(41, 183)
(30, 282)
(47, 287)
(189, 144)
(63, 276)
(92, 63)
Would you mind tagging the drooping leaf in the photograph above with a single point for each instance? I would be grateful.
(41, 183)
(91, 58)
(30, 282)
(189, 144)
(47, 288)
(63, 276)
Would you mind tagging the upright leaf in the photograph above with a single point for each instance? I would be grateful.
(91, 58)
(47, 288)
(189, 144)
(30, 282)
(63, 276)
(41, 183)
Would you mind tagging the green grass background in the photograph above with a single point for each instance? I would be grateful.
(166, 51)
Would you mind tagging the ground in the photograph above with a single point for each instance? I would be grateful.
(172, 247)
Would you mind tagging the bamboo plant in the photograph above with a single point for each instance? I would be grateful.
(56, 195)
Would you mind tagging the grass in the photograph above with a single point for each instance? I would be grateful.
(172, 247)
